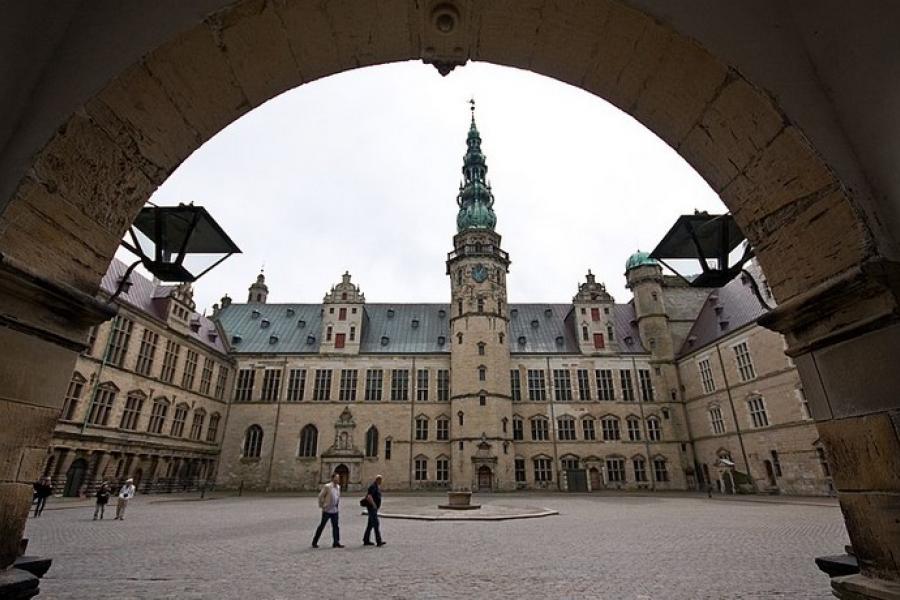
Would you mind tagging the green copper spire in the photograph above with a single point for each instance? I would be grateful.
(475, 200)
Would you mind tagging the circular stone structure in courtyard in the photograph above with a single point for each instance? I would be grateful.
(486, 512)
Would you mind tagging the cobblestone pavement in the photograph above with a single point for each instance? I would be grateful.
(603, 547)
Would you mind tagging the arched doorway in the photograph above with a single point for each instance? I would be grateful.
(75, 477)
(138, 474)
(485, 479)
(344, 473)
(770, 474)
(596, 479)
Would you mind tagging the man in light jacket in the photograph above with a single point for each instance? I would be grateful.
(329, 500)
(126, 493)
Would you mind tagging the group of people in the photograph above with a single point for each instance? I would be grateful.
(43, 489)
(329, 502)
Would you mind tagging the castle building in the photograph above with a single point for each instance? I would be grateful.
(676, 389)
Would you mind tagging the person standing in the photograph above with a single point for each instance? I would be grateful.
(329, 501)
(126, 493)
(373, 504)
(42, 491)
(102, 500)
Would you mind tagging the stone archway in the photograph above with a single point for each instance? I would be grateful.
(822, 250)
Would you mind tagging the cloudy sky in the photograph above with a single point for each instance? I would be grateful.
(360, 172)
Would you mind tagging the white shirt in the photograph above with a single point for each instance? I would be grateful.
(127, 491)
(334, 498)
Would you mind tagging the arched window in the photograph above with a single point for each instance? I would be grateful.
(654, 429)
(252, 442)
(372, 441)
(309, 441)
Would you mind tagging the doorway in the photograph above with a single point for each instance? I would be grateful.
(75, 477)
(485, 479)
(596, 479)
(344, 473)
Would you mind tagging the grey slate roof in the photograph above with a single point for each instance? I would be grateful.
(389, 328)
(141, 297)
(726, 310)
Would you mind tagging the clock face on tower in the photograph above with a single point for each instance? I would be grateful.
(479, 273)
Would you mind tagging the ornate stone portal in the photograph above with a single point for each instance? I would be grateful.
(343, 456)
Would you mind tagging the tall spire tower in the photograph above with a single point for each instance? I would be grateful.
(481, 432)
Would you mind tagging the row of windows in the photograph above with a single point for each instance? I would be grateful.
(101, 407)
(614, 466)
(756, 406)
(117, 349)
(744, 364)
(308, 443)
(610, 429)
(602, 388)
(348, 385)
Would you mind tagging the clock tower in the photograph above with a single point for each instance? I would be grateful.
(481, 420)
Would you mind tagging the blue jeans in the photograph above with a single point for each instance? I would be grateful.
(372, 524)
(335, 530)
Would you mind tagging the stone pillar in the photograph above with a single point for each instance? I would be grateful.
(844, 336)
(43, 326)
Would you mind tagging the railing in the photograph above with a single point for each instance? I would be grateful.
(473, 250)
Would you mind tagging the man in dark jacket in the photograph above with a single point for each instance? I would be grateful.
(103, 493)
(373, 499)
(42, 491)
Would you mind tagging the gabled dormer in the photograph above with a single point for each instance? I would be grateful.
(593, 317)
(342, 317)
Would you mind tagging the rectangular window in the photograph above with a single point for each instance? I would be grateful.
(421, 429)
(190, 369)
(646, 385)
(654, 429)
(515, 385)
(339, 340)
(442, 470)
(197, 425)
(157, 416)
(422, 385)
(627, 386)
(73, 396)
(213, 430)
(147, 352)
(221, 381)
(584, 385)
(342, 314)
(605, 390)
(598, 341)
(132, 412)
(587, 426)
(271, 385)
(615, 470)
(520, 470)
(348, 385)
(244, 391)
(595, 314)
(744, 364)
(443, 430)
(443, 385)
(562, 385)
(296, 385)
(170, 361)
(539, 430)
(776, 463)
(543, 470)
(610, 428)
(120, 333)
(387, 449)
(178, 420)
(537, 385)
(322, 385)
(716, 420)
(706, 376)
(374, 384)
(352, 333)
(565, 429)
(660, 473)
(399, 384)
(758, 411)
(206, 376)
(421, 469)
(518, 434)
(634, 429)
(640, 469)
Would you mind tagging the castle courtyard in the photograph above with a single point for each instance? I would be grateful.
(621, 547)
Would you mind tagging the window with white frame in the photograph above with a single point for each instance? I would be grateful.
(562, 385)
(190, 370)
(374, 384)
(147, 352)
(347, 393)
(706, 376)
(744, 364)
(633, 424)
(170, 361)
(543, 470)
(758, 411)
(537, 385)
(420, 468)
(587, 428)
(640, 468)
(296, 385)
(421, 428)
(158, 415)
(252, 446)
(610, 428)
(119, 335)
(443, 385)
(584, 385)
(565, 428)
(615, 470)
(569, 463)
(716, 420)
(518, 427)
(400, 384)
(422, 385)
(443, 429)
(271, 384)
(322, 385)
(605, 390)
(178, 420)
(101, 406)
(212, 431)
(515, 385)
(206, 374)
(539, 430)
(646, 385)
(221, 381)
(627, 386)
(654, 429)
(197, 424)
(244, 389)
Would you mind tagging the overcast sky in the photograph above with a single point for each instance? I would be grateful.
(360, 172)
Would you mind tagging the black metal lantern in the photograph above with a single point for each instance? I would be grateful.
(163, 236)
(708, 239)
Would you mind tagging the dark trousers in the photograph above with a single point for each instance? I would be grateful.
(335, 530)
(39, 507)
(372, 525)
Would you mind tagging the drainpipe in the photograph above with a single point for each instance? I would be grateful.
(550, 399)
(737, 425)
(281, 386)
(412, 418)
(640, 401)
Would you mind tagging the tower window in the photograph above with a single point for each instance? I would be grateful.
(328, 334)
(459, 337)
(482, 373)
(459, 416)
(459, 307)
(482, 399)
(481, 346)
(481, 305)
(342, 314)
(352, 333)
(584, 333)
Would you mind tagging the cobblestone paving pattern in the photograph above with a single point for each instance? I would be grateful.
(609, 548)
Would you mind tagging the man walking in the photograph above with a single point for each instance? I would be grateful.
(329, 500)
(125, 494)
(42, 491)
(373, 499)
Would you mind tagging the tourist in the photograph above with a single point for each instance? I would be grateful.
(373, 504)
(126, 493)
(102, 499)
(329, 500)
(42, 491)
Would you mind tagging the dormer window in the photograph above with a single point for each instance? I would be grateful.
(290, 312)
(522, 340)
(628, 340)
(415, 323)
(442, 313)
(534, 324)
(559, 340)
(301, 323)
(273, 339)
(236, 339)
(254, 314)
(343, 295)
(390, 313)
(310, 339)
(264, 323)
(213, 336)
(385, 340)
(441, 340)
(514, 313)
(548, 313)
